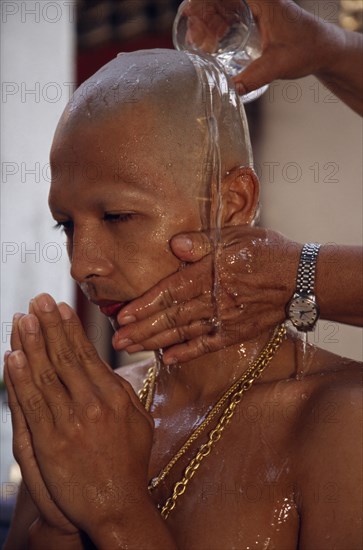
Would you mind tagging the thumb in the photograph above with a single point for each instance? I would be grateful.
(260, 72)
(190, 247)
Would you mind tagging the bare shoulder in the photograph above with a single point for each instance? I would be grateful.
(328, 455)
(135, 372)
(335, 380)
(333, 384)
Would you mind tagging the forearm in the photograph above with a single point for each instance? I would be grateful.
(341, 69)
(141, 526)
(29, 532)
(24, 515)
(339, 284)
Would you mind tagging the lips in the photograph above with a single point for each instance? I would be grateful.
(111, 309)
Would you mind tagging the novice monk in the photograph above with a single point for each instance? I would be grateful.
(132, 163)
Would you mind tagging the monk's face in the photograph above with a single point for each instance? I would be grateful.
(120, 196)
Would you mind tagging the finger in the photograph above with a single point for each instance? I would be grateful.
(208, 11)
(34, 408)
(191, 282)
(169, 329)
(191, 247)
(97, 371)
(85, 352)
(22, 445)
(59, 348)
(234, 333)
(24, 455)
(15, 340)
(134, 401)
(17, 418)
(194, 348)
(201, 10)
(218, 26)
(42, 370)
(195, 34)
(173, 336)
(204, 31)
(210, 42)
(176, 316)
(260, 72)
(228, 11)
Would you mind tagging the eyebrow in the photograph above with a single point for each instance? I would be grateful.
(57, 212)
(103, 199)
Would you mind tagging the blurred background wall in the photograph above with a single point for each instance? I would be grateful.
(37, 78)
(309, 159)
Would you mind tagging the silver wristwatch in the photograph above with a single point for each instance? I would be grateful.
(302, 309)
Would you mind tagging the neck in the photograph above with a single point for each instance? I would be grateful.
(211, 374)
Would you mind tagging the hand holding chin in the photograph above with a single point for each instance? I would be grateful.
(256, 277)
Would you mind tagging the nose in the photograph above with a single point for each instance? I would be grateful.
(90, 256)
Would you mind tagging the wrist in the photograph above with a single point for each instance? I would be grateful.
(339, 283)
(42, 536)
(139, 525)
(303, 310)
(332, 46)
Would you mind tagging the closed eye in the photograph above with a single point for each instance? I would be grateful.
(116, 217)
(66, 226)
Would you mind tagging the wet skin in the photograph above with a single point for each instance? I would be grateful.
(285, 473)
(272, 479)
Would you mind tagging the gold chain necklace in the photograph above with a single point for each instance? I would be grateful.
(233, 395)
(146, 393)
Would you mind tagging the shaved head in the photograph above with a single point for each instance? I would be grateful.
(177, 110)
(149, 147)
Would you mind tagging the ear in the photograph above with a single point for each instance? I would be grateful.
(240, 192)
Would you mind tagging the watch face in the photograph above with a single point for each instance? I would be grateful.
(303, 312)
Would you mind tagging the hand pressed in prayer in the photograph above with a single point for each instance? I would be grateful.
(71, 412)
(49, 513)
(256, 273)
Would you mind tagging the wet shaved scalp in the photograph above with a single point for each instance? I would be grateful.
(182, 102)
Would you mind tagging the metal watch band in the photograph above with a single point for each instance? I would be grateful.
(306, 271)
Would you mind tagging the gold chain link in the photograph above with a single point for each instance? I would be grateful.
(235, 393)
(146, 393)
